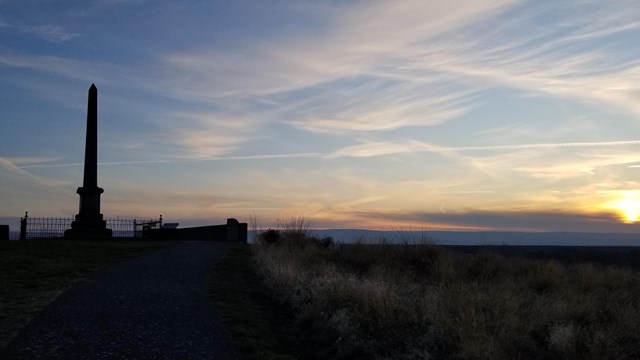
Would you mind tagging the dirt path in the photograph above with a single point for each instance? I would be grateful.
(151, 307)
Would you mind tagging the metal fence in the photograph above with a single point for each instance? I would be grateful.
(42, 227)
(141, 227)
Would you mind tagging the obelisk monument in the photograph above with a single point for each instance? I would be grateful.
(89, 222)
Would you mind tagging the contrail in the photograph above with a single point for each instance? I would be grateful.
(168, 161)
(412, 146)
(545, 145)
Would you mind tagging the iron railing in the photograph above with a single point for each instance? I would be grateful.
(49, 227)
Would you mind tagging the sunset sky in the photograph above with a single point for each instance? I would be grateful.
(471, 115)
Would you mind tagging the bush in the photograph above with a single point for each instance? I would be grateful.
(325, 242)
(270, 236)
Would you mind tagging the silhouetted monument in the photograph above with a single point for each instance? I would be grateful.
(89, 222)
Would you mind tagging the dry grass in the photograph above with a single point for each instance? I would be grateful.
(423, 301)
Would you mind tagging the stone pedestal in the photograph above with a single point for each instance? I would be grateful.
(89, 222)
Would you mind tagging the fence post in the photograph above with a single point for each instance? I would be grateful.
(23, 226)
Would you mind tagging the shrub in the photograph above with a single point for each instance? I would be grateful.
(270, 236)
(325, 242)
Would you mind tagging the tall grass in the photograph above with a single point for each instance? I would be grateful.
(423, 301)
(295, 228)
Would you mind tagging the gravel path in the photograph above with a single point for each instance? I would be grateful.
(151, 307)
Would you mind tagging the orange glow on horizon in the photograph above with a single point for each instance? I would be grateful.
(628, 207)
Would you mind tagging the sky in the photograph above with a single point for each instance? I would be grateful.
(440, 115)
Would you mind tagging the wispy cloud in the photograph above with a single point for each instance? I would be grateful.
(12, 167)
(380, 106)
(48, 32)
(566, 58)
(353, 68)
(52, 33)
(19, 161)
(518, 220)
(392, 65)
(383, 148)
(207, 134)
(70, 68)
(510, 168)
(183, 160)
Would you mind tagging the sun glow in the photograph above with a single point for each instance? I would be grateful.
(629, 207)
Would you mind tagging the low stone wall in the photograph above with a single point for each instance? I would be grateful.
(233, 231)
(4, 232)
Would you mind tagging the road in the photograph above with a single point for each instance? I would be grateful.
(151, 307)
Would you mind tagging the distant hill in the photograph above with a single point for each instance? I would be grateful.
(484, 237)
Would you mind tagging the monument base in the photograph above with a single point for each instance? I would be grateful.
(88, 227)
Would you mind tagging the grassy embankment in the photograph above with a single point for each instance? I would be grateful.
(424, 301)
(261, 326)
(35, 272)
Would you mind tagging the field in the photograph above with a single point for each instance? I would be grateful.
(626, 257)
(426, 301)
(295, 296)
(35, 272)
